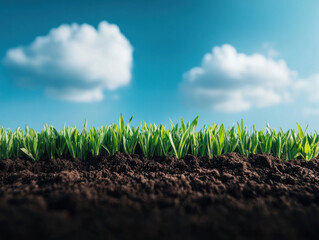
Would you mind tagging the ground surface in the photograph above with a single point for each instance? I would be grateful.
(131, 197)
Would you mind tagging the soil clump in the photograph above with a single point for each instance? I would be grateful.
(132, 197)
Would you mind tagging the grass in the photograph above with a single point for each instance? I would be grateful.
(155, 140)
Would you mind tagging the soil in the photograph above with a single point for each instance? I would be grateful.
(132, 197)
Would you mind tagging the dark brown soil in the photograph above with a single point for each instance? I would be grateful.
(131, 197)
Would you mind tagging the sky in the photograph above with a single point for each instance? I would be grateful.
(67, 61)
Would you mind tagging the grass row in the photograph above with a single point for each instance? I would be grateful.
(155, 140)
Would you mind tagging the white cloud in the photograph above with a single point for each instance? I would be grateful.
(310, 111)
(232, 82)
(310, 87)
(76, 95)
(271, 52)
(74, 62)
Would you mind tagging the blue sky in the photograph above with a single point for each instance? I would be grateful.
(263, 69)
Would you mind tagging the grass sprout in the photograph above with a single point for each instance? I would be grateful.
(156, 140)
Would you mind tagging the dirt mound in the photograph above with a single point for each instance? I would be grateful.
(129, 196)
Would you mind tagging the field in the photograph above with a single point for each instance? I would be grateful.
(155, 140)
(152, 182)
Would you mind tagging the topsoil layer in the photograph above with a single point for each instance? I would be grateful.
(131, 197)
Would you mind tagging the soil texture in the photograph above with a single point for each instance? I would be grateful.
(133, 197)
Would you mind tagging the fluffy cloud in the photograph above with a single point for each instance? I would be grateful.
(74, 62)
(309, 87)
(231, 82)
